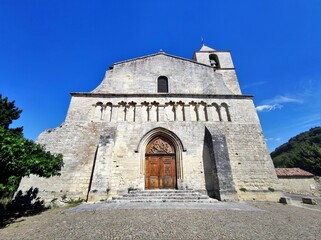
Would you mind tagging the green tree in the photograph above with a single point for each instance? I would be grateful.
(21, 157)
(8, 113)
(303, 151)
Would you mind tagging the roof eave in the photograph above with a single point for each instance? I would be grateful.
(161, 53)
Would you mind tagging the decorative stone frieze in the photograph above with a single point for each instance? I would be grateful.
(174, 111)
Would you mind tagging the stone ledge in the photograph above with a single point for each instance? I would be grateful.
(161, 95)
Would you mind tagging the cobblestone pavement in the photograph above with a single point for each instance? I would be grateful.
(171, 221)
(164, 205)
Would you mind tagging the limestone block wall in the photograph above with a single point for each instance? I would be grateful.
(222, 146)
(252, 168)
(244, 136)
(108, 162)
(77, 142)
(225, 59)
(127, 163)
(298, 185)
(230, 80)
(140, 76)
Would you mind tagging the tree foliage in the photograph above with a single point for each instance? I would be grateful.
(21, 157)
(8, 113)
(302, 151)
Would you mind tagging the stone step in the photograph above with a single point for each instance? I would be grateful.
(159, 197)
(210, 200)
(163, 196)
(161, 191)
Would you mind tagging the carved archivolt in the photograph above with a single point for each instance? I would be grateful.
(161, 112)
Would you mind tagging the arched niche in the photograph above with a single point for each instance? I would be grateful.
(108, 111)
(99, 110)
(225, 113)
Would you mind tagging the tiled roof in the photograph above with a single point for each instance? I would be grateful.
(292, 172)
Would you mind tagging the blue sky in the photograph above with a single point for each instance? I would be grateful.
(51, 48)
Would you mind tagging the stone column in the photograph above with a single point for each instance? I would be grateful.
(193, 111)
(145, 111)
(180, 113)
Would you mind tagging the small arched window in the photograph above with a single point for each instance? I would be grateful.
(162, 84)
(214, 61)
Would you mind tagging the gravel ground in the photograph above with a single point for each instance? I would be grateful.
(171, 221)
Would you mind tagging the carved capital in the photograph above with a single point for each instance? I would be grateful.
(122, 103)
(145, 103)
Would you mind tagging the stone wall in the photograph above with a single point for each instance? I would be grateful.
(104, 156)
(184, 77)
(298, 185)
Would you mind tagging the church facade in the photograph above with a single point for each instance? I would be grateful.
(162, 122)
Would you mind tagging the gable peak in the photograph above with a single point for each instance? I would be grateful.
(205, 48)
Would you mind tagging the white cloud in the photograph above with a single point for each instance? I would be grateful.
(268, 108)
(282, 99)
(276, 103)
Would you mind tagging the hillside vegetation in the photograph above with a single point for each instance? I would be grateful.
(302, 151)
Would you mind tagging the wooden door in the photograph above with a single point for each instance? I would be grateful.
(160, 165)
(167, 175)
(152, 172)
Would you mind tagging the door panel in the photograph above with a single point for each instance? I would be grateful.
(160, 172)
(152, 172)
(168, 172)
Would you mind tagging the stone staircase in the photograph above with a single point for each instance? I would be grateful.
(164, 196)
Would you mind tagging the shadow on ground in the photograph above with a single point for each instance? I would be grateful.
(27, 204)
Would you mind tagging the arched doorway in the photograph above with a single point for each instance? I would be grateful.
(160, 164)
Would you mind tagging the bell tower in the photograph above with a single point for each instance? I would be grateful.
(222, 63)
(214, 58)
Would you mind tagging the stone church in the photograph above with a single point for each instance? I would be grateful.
(162, 122)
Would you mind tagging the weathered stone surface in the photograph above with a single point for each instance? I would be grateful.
(219, 145)
(164, 196)
(311, 201)
(298, 185)
(286, 200)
